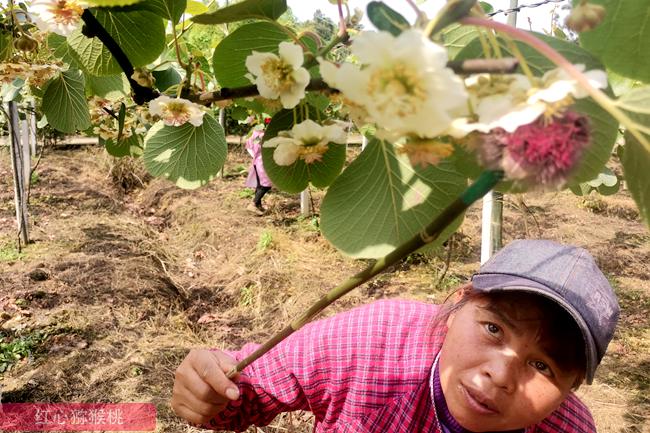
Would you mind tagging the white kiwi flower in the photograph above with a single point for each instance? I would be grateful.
(176, 111)
(307, 141)
(511, 101)
(402, 83)
(57, 16)
(279, 76)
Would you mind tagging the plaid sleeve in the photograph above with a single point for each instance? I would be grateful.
(267, 388)
(572, 416)
(339, 368)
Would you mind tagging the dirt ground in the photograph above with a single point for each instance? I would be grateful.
(125, 274)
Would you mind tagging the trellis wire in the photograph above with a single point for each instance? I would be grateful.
(520, 7)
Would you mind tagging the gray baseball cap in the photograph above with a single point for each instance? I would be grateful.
(565, 274)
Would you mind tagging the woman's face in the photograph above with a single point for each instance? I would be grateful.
(494, 371)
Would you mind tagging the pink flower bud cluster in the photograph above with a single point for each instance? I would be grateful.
(540, 154)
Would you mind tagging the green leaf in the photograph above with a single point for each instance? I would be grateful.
(169, 9)
(195, 7)
(385, 18)
(120, 121)
(187, 155)
(636, 160)
(297, 176)
(11, 91)
(61, 50)
(636, 101)
(621, 41)
(606, 178)
(247, 9)
(111, 87)
(487, 7)
(604, 127)
(451, 12)
(311, 41)
(456, 37)
(229, 60)
(64, 102)
(6, 46)
(111, 3)
(253, 104)
(317, 100)
(140, 34)
(166, 78)
(131, 146)
(239, 113)
(403, 200)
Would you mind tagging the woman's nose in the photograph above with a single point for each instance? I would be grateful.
(503, 369)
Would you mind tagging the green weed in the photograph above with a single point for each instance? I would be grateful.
(35, 178)
(14, 349)
(265, 241)
(9, 253)
(246, 296)
(246, 193)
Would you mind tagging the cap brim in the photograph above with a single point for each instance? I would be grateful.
(487, 282)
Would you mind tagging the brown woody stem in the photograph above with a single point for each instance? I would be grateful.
(473, 66)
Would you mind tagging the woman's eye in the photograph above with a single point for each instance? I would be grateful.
(492, 328)
(542, 367)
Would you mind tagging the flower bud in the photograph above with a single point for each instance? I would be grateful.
(25, 43)
(585, 17)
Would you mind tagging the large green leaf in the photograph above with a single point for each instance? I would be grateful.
(297, 176)
(636, 164)
(195, 7)
(140, 34)
(604, 127)
(166, 78)
(386, 19)
(111, 87)
(380, 201)
(243, 10)
(621, 41)
(635, 157)
(451, 12)
(64, 102)
(61, 50)
(456, 37)
(169, 9)
(131, 146)
(229, 60)
(188, 156)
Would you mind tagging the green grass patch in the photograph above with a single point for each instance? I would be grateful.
(265, 241)
(15, 348)
(246, 193)
(9, 253)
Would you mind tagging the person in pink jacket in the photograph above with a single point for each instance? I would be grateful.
(505, 355)
(257, 177)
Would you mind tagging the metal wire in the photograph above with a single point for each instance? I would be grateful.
(519, 8)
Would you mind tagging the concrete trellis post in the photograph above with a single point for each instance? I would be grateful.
(21, 165)
(305, 208)
(492, 215)
(222, 122)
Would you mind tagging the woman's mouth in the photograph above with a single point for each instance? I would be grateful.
(478, 402)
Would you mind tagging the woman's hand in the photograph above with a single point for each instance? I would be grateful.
(201, 388)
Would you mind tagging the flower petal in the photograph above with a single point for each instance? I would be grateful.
(291, 54)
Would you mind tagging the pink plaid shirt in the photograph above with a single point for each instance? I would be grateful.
(362, 371)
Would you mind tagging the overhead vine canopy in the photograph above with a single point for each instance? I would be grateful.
(441, 99)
